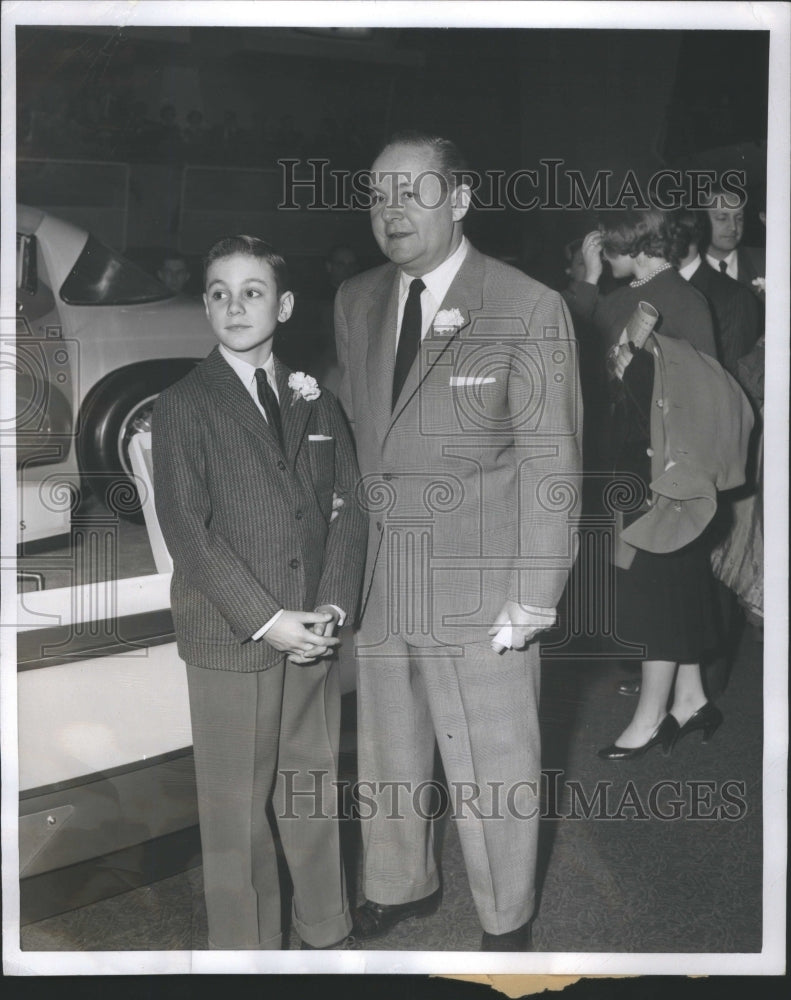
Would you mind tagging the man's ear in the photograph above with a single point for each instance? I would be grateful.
(286, 307)
(460, 201)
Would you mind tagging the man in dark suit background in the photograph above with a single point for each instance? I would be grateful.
(459, 375)
(735, 312)
(724, 252)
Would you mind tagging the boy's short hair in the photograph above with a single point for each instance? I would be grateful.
(249, 246)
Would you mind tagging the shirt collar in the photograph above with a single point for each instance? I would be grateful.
(689, 269)
(245, 370)
(439, 280)
(730, 260)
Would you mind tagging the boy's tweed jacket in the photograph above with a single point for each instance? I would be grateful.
(247, 526)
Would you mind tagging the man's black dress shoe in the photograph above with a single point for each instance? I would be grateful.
(666, 734)
(520, 939)
(371, 920)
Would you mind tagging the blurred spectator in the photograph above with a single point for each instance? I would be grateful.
(341, 263)
(230, 142)
(288, 139)
(174, 273)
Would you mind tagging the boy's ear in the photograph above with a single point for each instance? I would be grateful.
(286, 306)
(206, 305)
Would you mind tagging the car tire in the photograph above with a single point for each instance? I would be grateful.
(110, 413)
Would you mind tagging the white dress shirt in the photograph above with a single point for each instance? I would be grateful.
(437, 283)
(246, 373)
(731, 260)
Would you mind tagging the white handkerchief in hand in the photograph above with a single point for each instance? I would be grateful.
(504, 638)
(319, 437)
(460, 380)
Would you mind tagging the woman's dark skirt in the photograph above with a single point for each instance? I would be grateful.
(667, 603)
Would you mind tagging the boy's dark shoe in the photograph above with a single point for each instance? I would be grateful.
(372, 920)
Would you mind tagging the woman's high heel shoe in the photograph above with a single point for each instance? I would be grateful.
(708, 718)
(665, 734)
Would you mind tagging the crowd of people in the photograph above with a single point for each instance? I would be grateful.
(419, 512)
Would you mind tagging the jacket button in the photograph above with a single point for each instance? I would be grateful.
(649, 452)
(294, 563)
(387, 476)
(660, 403)
(281, 464)
(298, 515)
(378, 525)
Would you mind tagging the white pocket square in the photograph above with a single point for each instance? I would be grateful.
(458, 380)
(318, 437)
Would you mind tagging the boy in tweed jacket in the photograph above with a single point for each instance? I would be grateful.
(247, 457)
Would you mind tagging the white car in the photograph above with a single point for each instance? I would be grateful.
(98, 339)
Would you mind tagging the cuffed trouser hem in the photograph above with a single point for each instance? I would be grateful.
(503, 921)
(274, 943)
(327, 932)
(394, 895)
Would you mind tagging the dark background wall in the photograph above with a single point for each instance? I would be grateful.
(597, 99)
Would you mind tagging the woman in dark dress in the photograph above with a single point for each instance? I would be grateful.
(664, 603)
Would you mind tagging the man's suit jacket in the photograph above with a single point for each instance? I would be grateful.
(472, 482)
(248, 526)
(750, 263)
(735, 312)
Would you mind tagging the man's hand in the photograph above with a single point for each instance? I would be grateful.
(337, 503)
(293, 633)
(524, 627)
(591, 255)
(329, 627)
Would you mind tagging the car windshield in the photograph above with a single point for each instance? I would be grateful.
(101, 277)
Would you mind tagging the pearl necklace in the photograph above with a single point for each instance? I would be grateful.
(642, 281)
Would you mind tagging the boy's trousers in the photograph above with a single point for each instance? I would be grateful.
(261, 736)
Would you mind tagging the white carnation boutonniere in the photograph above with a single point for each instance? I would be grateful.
(304, 387)
(448, 320)
(759, 284)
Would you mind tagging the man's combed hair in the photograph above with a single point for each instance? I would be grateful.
(448, 157)
(249, 246)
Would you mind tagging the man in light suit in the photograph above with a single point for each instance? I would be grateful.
(463, 394)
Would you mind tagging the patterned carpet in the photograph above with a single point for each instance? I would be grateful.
(624, 879)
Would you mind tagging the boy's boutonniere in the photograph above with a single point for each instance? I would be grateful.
(760, 285)
(448, 320)
(304, 386)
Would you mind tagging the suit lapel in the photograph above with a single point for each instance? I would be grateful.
(380, 359)
(465, 294)
(233, 398)
(294, 413)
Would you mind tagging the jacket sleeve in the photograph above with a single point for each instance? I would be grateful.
(546, 409)
(344, 554)
(183, 505)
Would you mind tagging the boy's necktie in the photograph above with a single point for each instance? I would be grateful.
(268, 399)
(409, 339)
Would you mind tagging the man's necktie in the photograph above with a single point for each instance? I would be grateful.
(724, 266)
(409, 339)
(268, 399)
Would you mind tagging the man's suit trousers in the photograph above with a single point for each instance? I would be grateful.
(483, 710)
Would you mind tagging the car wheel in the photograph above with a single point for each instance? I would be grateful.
(114, 410)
